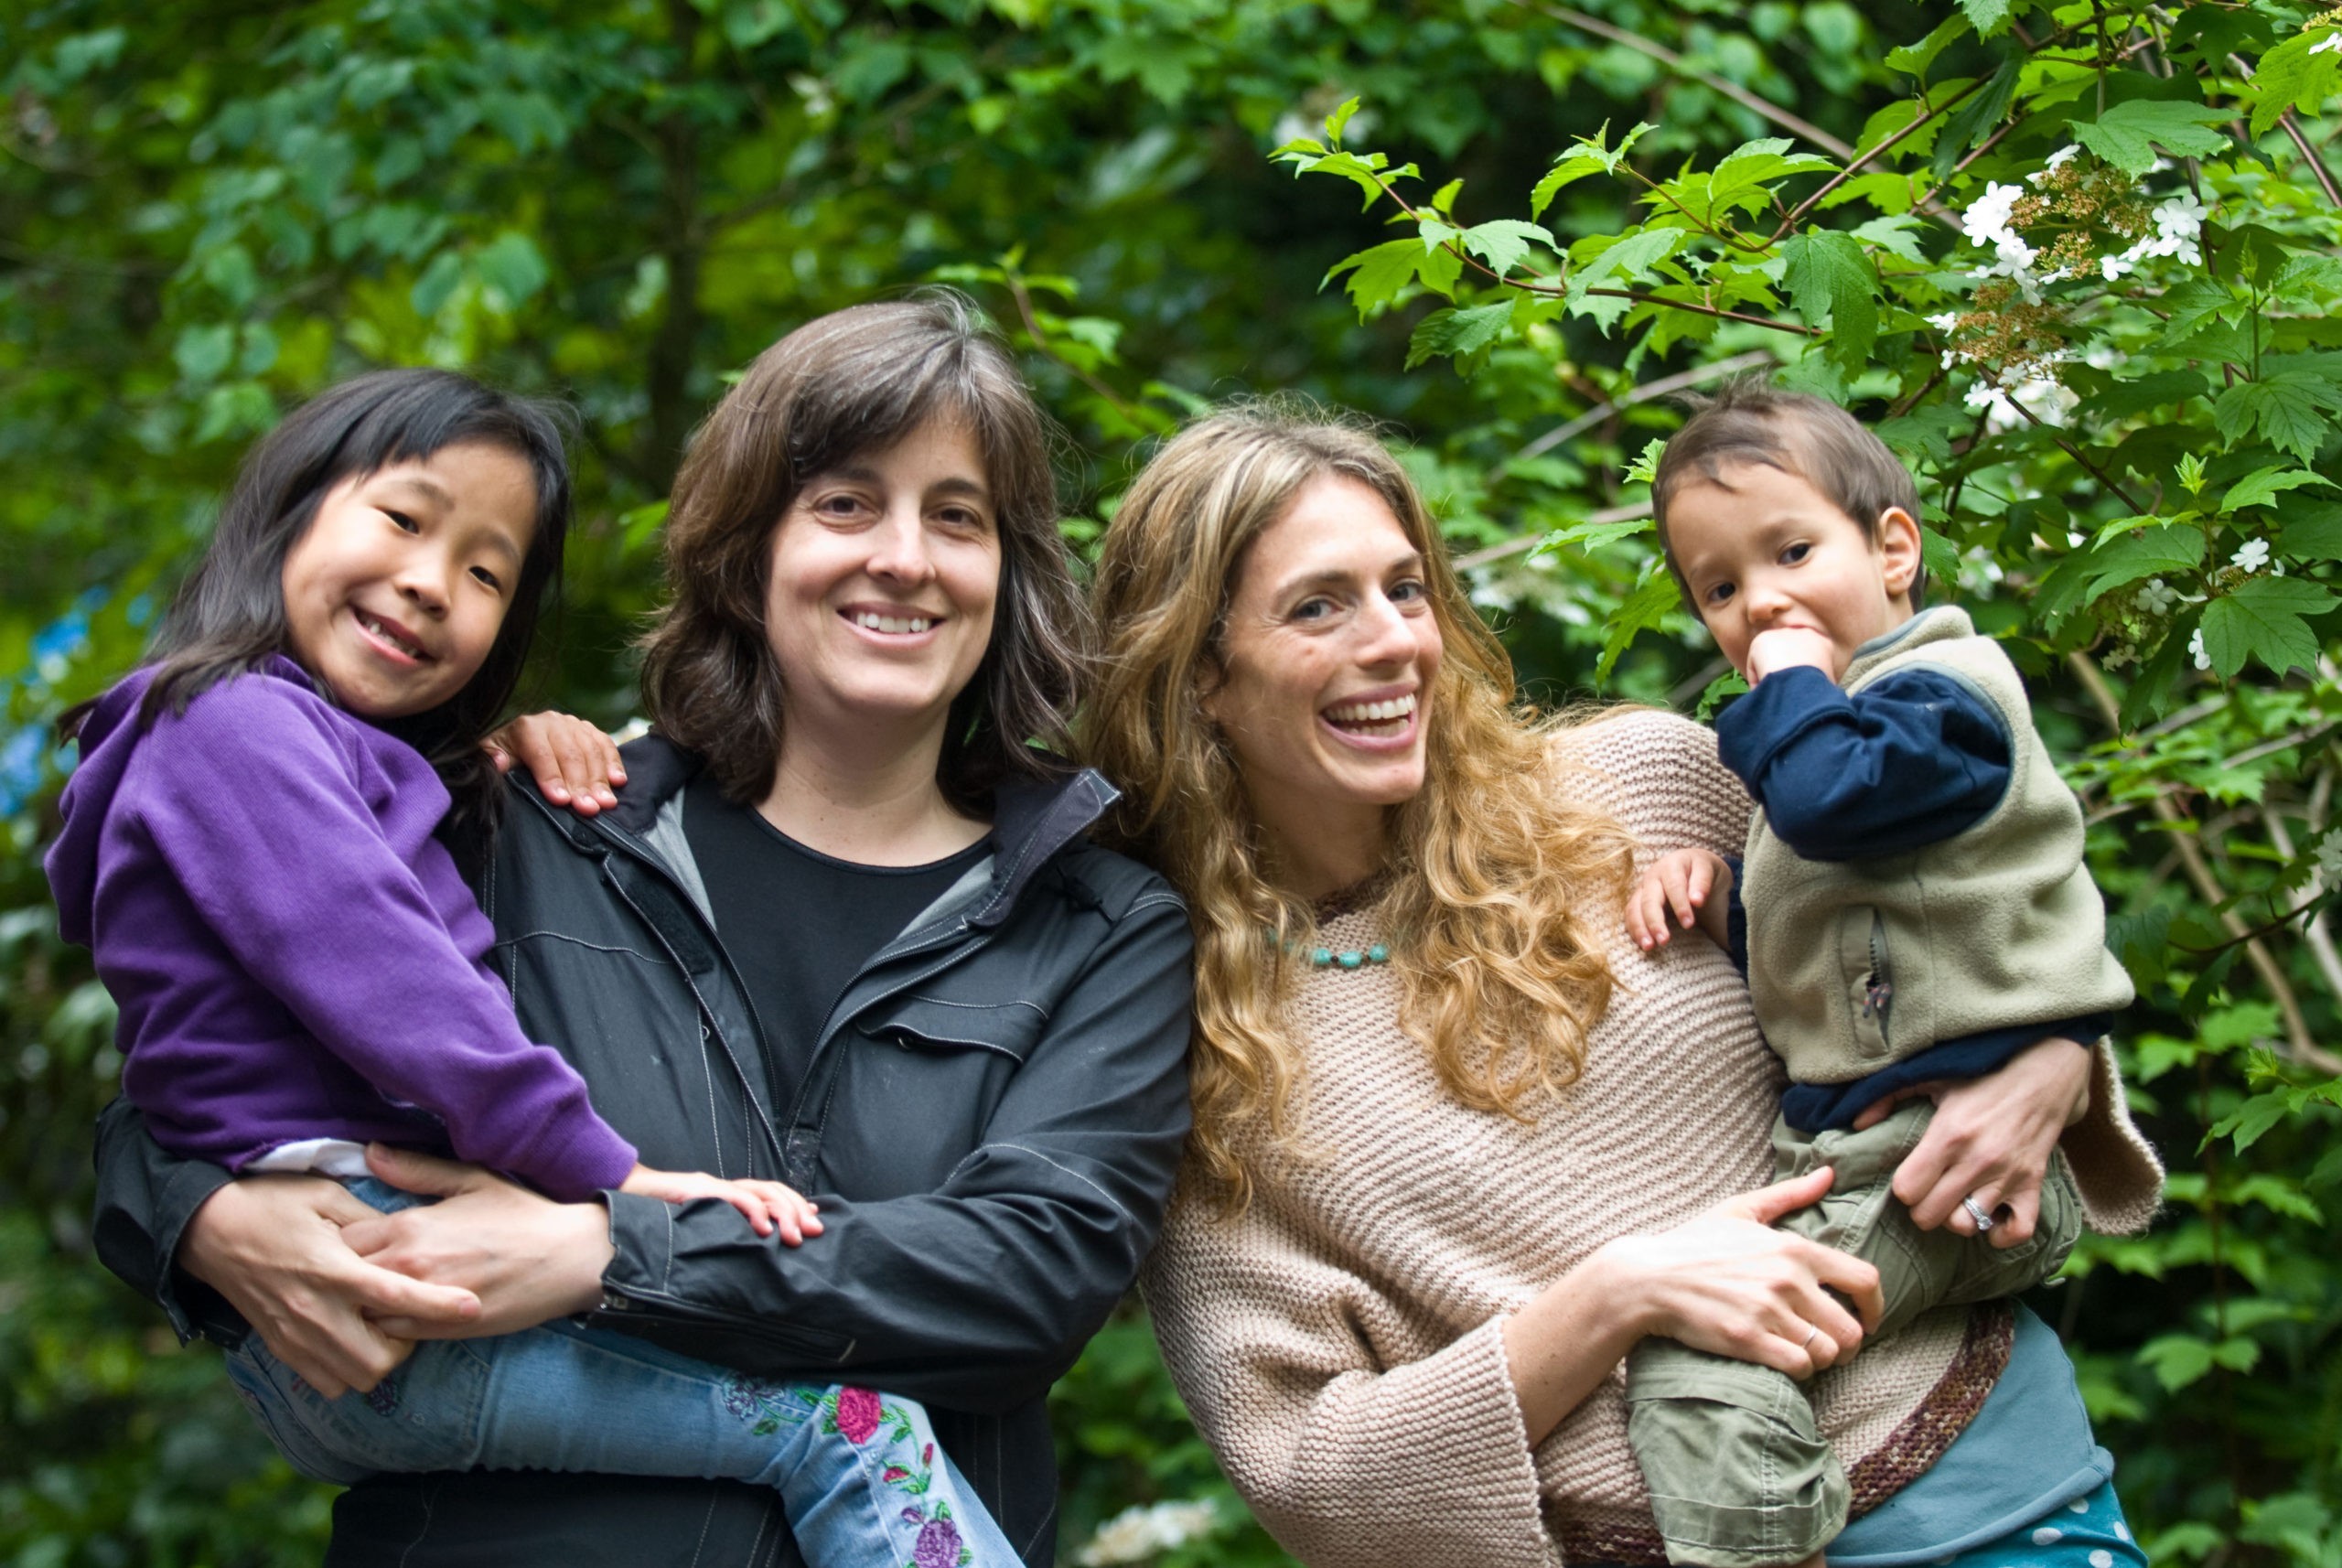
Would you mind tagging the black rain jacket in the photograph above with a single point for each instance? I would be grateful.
(991, 1122)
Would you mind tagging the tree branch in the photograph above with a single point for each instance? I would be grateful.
(1762, 108)
(1644, 394)
(2303, 1048)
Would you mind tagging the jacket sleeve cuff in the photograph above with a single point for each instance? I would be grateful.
(642, 1241)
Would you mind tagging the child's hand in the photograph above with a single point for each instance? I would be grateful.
(768, 1205)
(573, 763)
(1790, 648)
(1694, 885)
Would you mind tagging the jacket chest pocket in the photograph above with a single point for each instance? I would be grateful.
(932, 1023)
(917, 1091)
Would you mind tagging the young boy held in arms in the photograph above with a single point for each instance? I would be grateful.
(1912, 908)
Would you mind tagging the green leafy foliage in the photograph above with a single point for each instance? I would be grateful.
(2077, 265)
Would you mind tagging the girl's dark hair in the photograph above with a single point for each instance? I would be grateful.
(855, 381)
(228, 616)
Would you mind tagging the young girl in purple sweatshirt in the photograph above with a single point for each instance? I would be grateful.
(255, 848)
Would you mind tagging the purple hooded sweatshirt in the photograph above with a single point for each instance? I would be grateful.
(295, 955)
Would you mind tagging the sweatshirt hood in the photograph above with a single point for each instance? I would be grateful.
(109, 735)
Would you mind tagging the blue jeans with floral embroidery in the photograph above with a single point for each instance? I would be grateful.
(858, 1472)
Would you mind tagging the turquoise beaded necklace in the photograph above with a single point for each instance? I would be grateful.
(1343, 903)
(1326, 958)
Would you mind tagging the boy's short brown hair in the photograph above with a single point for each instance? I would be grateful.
(1796, 432)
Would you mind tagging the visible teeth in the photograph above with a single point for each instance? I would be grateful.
(404, 645)
(870, 620)
(1372, 713)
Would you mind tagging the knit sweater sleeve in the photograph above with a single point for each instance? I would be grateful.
(1659, 773)
(1348, 1461)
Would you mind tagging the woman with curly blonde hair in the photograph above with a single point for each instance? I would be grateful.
(1459, 1142)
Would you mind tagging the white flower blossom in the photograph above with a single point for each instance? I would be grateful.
(2004, 408)
(1986, 224)
(1143, 1533)
(1945, 322)
(2196, 649)
(2157, 597)
(2253, 556)
(2328, 44)
(2061, 155)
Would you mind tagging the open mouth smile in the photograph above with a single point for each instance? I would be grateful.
(392, 635)
(1389, 719)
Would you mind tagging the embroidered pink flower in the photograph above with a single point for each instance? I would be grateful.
(894, 1473)
(858, 1413)
(938, 1545)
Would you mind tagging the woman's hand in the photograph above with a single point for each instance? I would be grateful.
(1990, 1139)
(1729, 1284)
(573, 762)
(1725, 1282)
(275, 1247)
(527, 1258)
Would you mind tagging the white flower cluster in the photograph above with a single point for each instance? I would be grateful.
(2004, 408)
(1986, 224)
(2179, 227)
(1143, 1533)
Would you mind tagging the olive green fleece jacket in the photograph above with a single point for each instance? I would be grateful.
(1857, 963)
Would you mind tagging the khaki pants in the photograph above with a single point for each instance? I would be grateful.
(1739, 1474)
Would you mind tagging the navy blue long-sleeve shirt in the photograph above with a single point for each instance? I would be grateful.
(1915, 758)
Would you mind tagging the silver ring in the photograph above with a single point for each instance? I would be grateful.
(1979, 1213)
(1811, 1330)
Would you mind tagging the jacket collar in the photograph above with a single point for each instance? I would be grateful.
(1033, 819)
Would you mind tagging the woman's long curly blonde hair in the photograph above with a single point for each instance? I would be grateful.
(1498, 878)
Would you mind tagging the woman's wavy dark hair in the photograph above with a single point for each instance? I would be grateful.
(851, 382)
(229, 615)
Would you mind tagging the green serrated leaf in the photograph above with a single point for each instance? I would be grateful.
(1968, 126)
(2313, 532)
(1831, 281)
(1647, 606)
(2296, 74)
(1588, 155)
(2127, 134)
(2159, 390)
(1626, 262)
(2262, 486)
(1913, 59)
(2288, 408)
(1458, 332)
(1591, 536)
(1338, 119)
(1897, 234)
(2262, 620)
(1503, 241)
(1985, 15)
(1378, 275)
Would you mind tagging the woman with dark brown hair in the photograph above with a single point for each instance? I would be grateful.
(842, 929)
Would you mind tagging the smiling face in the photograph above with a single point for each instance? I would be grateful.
(1323, 685)
(1761, 550)
(394, 594)
(884, 570)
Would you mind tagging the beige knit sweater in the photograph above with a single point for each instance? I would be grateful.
(1340, 1344)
